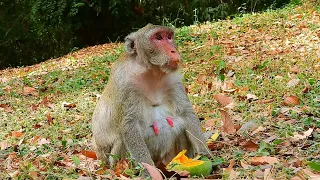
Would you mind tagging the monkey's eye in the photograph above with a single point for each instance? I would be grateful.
(169, 36)
(158, 36)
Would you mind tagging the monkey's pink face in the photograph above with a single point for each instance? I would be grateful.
(163, 40)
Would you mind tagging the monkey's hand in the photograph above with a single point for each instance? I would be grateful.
(135, 144)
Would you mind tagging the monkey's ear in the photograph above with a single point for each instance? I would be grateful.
(130, 44)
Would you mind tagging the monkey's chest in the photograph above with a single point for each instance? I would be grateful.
(162, 129)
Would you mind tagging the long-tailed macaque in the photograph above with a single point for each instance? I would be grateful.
(144, 109)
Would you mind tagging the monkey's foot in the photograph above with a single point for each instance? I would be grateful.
(155, 127)
(170, 121)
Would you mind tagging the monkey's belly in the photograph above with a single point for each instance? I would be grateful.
(163, 138)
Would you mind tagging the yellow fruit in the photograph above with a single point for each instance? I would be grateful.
(194, 166)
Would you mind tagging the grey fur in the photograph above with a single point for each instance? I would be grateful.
(138, 93)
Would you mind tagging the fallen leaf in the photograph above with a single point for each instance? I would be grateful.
(30, 91)
(228, 125)
(311, 175)
(297, 16)
(16, 134)
(49, 118)
(261, 160)
(34, 174)
(153, 171)
(4, 145)
(270, 139)
(291, 101)
(252, 97)
(245, 165)
(232, 173)
(223, 100)
(257, 130)
(211, 123)
(6, 108)
(293, 82)
(43, 141)
(297, 136)
(267, 173)
(297, 163)
(121, 166)
(215, 136)
(89, 154)
(250, 146)
(34, 140)
(294, 69)
(228, 87)
(69, 105)
(247, 126)
(45, 102)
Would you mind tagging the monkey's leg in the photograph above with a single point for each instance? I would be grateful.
(118, 149)
(103, 153)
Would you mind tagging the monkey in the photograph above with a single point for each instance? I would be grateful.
(144, 109)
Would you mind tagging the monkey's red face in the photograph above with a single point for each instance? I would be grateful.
(163, 40)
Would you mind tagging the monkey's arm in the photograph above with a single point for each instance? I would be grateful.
(183, 108)
(131, 132)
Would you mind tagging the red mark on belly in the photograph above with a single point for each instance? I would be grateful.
(170, 121)
(155, 128)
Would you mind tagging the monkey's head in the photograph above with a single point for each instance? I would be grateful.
(154, 46)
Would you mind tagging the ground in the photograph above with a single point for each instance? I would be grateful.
(253, 80)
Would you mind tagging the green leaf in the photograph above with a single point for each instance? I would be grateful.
(314, 165)
(76, 160)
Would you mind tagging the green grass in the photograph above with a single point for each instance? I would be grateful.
(259, 49)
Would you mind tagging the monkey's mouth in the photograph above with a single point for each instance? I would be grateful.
(174, 64)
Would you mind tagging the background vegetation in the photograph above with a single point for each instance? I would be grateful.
(34, 30)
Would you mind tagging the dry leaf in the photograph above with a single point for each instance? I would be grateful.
(211, 123)
(30, 91)
(49, 118)
(259, 129)
(294, 69)
(250, 146)
(291, 101)
(43, 141)
(89, 154)
(121, 166)
(229, 169)
(34, 174)
(46, 103)
(223, 100)
(261, 160)
(228, 87)
(297, 16)
(34, 140)
(6, 108)
(228, 125)
(4, 145)
(247, 126)
(271, 138)
(298, 136)
(293, 82)
(16, 134)
(153, 171)
(252, 97)
(245, 165)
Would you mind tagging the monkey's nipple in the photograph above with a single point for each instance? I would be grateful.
(170, 121)
(155, 127)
